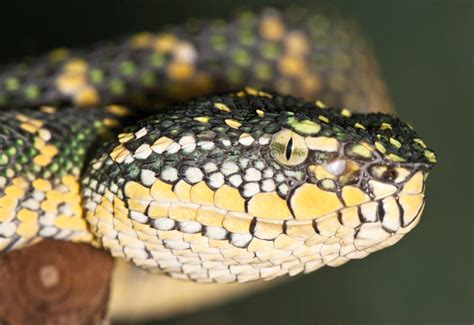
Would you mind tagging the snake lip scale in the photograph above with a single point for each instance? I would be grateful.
(230, 185)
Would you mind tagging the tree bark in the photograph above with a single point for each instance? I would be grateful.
(54, 282)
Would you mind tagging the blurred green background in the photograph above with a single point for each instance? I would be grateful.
(426, 52)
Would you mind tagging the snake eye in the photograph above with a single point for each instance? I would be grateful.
(289, 148)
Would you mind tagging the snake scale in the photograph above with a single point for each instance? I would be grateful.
(247, 183)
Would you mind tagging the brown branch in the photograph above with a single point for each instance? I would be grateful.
(54, 282)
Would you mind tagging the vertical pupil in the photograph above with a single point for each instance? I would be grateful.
(289, 149)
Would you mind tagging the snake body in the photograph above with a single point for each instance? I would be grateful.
(237, 186)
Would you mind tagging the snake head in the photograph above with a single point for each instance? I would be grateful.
(258, 183)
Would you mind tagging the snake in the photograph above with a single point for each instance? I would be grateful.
(213, 151)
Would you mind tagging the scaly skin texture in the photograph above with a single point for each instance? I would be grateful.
(233, 187)
(42, 156)
(304, 54)
(255, 185)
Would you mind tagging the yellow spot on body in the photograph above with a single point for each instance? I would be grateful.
(164, 43)
(380, 147)
(161, 144)
(395, 143)
(297, 43)
(58, 54)
(415, 184)
(27, 229)
(26, 215)
(202, 119)
(49, 150)
(125, 137)
(163, 192)
(345, 112)
(180, 71)
(110, 122)
(222, 107)
(255, 92)
(359, 126)
(69, 83)
(142, 40)
(202, 194)
(233, 123)
(353, 196)
(72, 223)
(87, 96)
(320, 104)
(76, 66)
(183, 191)
(272, 28)
(385, 126)
(118, 110)
(323, 118)
(260, 113)
(15, 191)
(42, 160)
(322, 144)
(229, 199)
(28, 127)
(55, 196)
(309, 202)
(134, 190)
(48, 109)
(291, 66)
(268, 206)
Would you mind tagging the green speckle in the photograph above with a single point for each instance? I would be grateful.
(54, 167)
(11, 151)
(270, 50)
(247, 37)
(263, 71)
(234, 75)
(3, 100)
(12, 84)
(96, 76)
(242, 57)
(148, 79)
(430, 155)
(218, 42)
(127, 68)
(157, 60)
(3, 159)
(32, 92)
(117, 87)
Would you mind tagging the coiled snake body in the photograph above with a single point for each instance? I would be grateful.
(240, 186)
